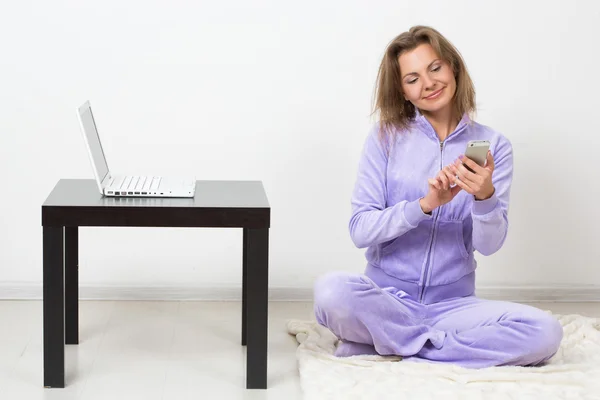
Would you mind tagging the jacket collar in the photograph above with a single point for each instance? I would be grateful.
(428, 128)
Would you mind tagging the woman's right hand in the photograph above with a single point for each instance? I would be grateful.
(440, 191)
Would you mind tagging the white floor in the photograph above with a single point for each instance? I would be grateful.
(159, 350)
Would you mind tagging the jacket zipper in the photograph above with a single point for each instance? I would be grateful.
(435, 218)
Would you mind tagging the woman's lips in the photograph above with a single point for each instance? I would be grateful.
(435, 95)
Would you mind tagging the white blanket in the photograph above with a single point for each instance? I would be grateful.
(573, 373)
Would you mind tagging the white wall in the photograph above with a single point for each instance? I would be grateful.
(281, 92)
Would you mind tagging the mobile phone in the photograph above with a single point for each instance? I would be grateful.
(477, 151)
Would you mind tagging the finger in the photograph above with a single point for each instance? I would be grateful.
(435, 183)
(442, 177)
(477, 169)
(466, 175)
(451, 177)
(475, 181)
(460, 174)
(464, 186)
(490, 165)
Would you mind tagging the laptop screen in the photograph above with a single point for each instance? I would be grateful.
(89, 127)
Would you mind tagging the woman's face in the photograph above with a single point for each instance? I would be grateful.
(427, 81)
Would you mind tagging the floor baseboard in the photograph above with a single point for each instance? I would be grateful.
(230, 293)
(155, 293)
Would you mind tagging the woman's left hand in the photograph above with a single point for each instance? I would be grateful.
(479, 182)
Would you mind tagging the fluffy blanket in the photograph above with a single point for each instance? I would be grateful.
(573, 373)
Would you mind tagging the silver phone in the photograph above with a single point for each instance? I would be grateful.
(477, 151)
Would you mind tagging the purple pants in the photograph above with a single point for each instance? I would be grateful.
(465, 331)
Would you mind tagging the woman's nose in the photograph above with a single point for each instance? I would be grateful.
(428, 82)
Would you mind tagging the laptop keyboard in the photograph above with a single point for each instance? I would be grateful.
(137, 183)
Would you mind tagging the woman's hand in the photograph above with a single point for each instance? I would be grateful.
(479, 182)
(440, 191)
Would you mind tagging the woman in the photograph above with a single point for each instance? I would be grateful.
(421, 215)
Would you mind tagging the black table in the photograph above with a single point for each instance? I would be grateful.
(217, 204)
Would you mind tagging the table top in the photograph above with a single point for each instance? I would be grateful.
(78, 202)
(209, 194)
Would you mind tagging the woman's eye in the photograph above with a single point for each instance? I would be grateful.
(436, 69)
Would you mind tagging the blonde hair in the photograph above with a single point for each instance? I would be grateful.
(395, 111)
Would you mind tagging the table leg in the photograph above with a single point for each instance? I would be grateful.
(72, 284)
(54, 311)
(257, 256)
(244, 286)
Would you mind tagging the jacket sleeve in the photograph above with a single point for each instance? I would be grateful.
(490, 216)
(372, 221)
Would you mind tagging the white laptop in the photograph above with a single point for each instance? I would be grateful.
(111, 184)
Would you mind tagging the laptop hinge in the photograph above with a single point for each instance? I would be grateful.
(106, 181)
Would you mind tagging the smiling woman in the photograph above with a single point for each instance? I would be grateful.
(421, 223)
(432, 78)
